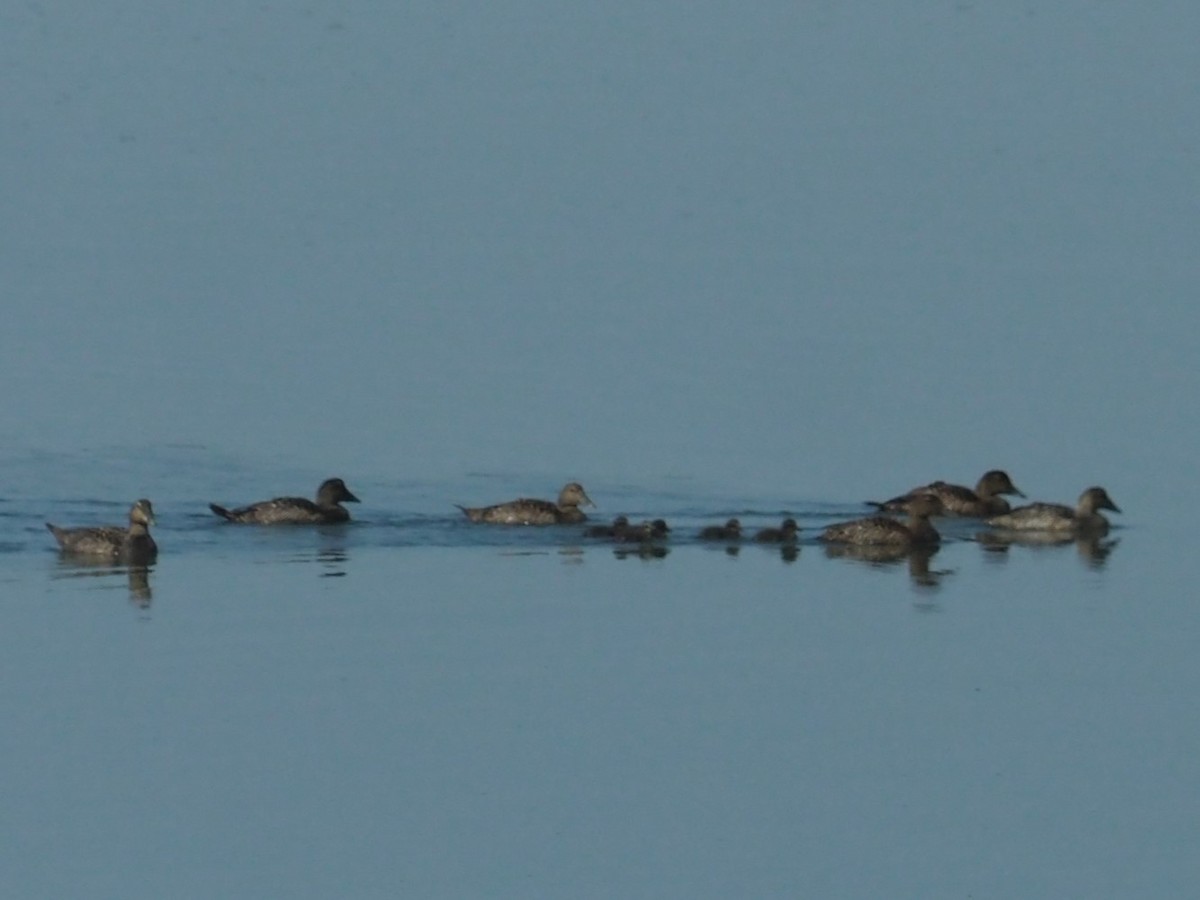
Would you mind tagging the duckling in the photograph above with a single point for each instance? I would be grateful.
(295, 510)
(784, 534)
(730, 531)
(617, 530)
(526, 511)
(647, 532)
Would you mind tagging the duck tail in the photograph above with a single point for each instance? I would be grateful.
(474, 515)
(56, 531)
(221, 511)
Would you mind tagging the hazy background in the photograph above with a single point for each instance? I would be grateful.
(830, 248)
(708, 258)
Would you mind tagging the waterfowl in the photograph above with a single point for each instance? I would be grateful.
(1057, 517)
(295, 510)
(917, 531)
(617, 530)
(730, 531)
(784, 534)
(957, 500)
(526, 511)
(646, 532)
(128, 545)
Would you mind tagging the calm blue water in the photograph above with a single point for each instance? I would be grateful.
(707, 260)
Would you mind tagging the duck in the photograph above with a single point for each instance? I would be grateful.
(646, 532)
(918, 531)
(957, 500)
(1085, 518)
(295, 510)
(617, 530)
(784, 534)
(132, 545)
(526, 511)
(730, 531)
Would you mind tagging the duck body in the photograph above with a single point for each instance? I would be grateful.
(132, 545)
(617, 530)
(528, 511)
(645, 533)
(957, 500)
(730, 531)
(326, 510)
(786, 533)
(918, 531)
(1059, 518)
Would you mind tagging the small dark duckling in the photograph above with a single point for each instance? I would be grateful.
(784, 534)
(132, 545)
(730, 531)
(617, 530)
(526, 511)
(1056, 517)
(957, 500)
(646, 532)
(295, 510)
(917, 531)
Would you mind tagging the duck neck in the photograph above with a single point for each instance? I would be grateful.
(922, 529)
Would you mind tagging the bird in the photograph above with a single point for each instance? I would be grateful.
(957, 500)
(784, 534)
(527, 511)
(295, 510)
(917, 531)
(132, 545)
(730, 531)
(1085, 518)
(619, 527)
(646, 532)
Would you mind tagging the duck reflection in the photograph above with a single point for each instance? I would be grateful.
(330, 553)
(882, 556)
(137, 577)
(1093, 549)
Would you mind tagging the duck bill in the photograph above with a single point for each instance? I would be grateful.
(350, 498)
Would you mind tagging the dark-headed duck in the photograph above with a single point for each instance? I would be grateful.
(295, 510)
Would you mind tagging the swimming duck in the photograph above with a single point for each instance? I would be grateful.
(957, 500)
(617, 530)
(295, 510)
(784, 534)
(646, 532)
(525, 511)
(1084, 518)
(730, 531)
(917, 531)
(128, 545)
